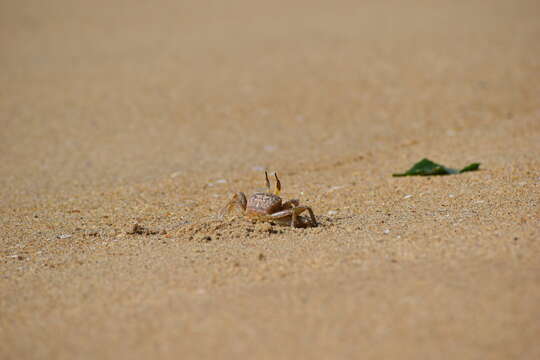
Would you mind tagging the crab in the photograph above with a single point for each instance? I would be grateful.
(268, 206)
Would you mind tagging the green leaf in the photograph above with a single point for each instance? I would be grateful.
(426, 167)
(472, 167)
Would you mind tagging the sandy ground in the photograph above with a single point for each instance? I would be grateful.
(113, 114)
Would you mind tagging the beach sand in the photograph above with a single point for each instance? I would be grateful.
(114, 114)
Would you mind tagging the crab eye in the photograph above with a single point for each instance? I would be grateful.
(267, 181)
(278, 185)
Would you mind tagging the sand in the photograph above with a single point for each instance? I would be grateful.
(114, 114)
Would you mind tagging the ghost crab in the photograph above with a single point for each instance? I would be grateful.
(268, 206)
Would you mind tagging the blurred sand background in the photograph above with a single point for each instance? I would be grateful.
(116, 112)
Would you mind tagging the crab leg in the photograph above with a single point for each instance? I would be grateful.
(294, 213)
(238, 200)
(289, 204)
(300, 209)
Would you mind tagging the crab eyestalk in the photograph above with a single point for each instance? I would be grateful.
(267, 181)
(278, 185)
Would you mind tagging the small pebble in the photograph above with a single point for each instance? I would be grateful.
(386, 232)
(332, 212)
(63, 236)
(264, 227)
(334, 188)
(407, 196)
(205, 238)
